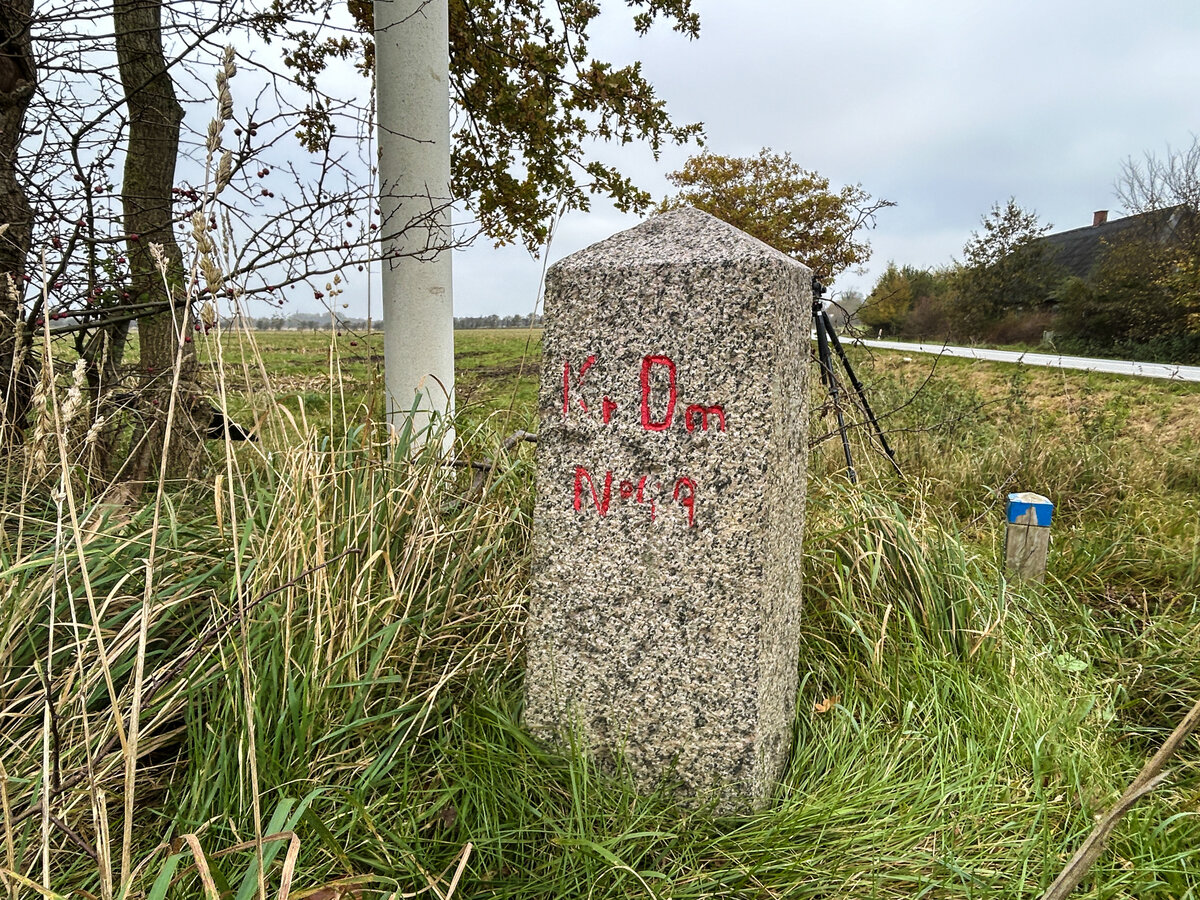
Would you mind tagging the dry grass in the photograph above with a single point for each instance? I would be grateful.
(300, 676)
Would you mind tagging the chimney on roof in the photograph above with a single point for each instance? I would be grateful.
(1099, 217)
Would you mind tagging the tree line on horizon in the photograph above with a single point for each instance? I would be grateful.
(1141, 298)
(324, 322)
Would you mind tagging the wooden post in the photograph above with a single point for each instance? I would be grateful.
(1028, 537)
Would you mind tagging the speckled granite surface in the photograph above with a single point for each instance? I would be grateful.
(672, 450)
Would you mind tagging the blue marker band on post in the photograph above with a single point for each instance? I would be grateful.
(1028, 508)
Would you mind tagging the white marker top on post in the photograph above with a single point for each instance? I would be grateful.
(1028, 508)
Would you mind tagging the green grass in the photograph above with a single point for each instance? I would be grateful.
(497, 376)
(327, 644)
(324, 376)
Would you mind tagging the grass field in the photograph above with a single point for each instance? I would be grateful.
(301, 675)
(330, 374)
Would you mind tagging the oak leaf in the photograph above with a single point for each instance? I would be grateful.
(824, 706)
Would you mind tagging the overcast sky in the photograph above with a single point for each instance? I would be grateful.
(944, 107)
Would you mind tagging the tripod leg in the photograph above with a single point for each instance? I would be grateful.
(859, 390)
(829, 377)
(824, 359)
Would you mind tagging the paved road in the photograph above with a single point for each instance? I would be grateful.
(1114, 366)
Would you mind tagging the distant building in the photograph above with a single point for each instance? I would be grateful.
(1078, 251)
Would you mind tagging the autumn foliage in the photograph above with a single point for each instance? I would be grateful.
(793, 209)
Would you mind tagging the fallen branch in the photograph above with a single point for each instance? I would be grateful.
(485, 467)
(1151, 776)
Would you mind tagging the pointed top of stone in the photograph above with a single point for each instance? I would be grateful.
(684, 236)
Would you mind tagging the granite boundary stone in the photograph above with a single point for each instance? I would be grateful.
(672, 455)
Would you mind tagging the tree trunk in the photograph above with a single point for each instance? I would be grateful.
(18, 79)
(154, 119)
(103, 350)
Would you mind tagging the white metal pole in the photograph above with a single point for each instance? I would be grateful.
(412, 64)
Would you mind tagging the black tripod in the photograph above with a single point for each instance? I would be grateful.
(826, 336)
